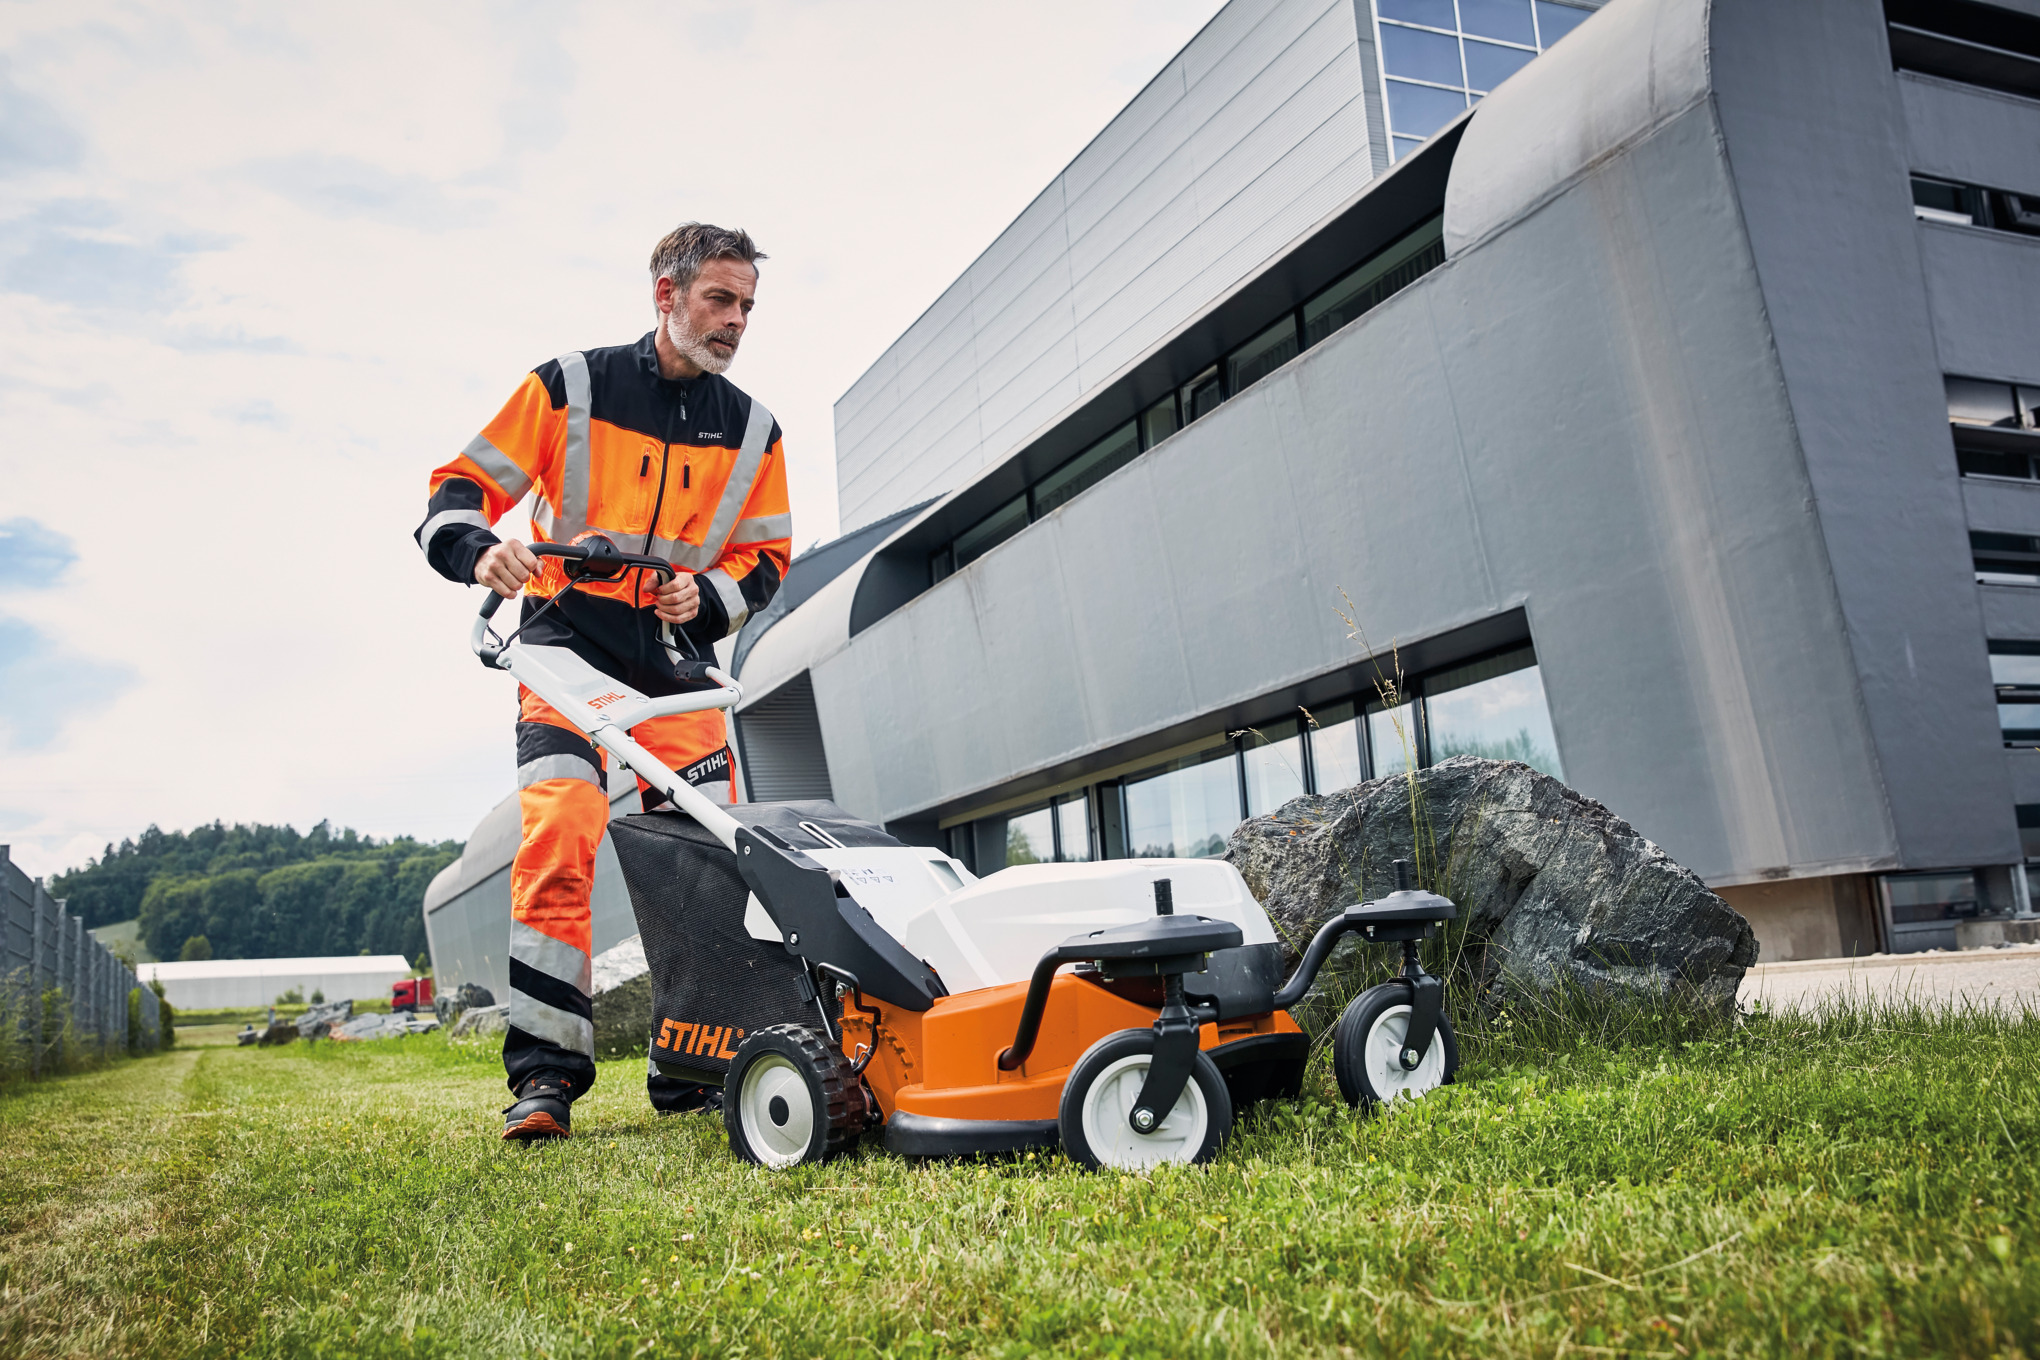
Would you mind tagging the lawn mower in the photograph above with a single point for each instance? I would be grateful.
(833, 979)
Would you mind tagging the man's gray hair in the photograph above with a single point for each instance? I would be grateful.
(689, 246)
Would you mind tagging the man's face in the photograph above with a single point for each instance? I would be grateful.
(706, 324)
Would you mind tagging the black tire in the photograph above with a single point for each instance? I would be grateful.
(1371, 1076)
(791, 1099)
(1104, 1085)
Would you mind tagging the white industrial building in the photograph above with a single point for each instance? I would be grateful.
(212, 984)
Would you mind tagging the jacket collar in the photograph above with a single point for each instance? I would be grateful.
(646, 355)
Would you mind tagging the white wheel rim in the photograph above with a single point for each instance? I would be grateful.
(779, 1133)
(1113, 1141)
(1381, 1058)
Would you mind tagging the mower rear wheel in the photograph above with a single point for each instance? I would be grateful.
(1367, 1046)
(791, 1099)
(1099, 1096)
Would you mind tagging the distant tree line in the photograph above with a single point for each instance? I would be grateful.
(260, 891)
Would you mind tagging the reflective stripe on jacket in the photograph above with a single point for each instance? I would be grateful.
(692, 470)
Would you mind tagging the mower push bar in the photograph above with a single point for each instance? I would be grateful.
(1406, 915)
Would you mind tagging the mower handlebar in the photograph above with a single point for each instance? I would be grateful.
(593, 559)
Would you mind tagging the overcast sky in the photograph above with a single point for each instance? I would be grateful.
(262, 268)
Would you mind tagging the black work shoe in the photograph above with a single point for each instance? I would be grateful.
(542, 1110)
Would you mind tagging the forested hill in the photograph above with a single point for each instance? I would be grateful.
(262, 891)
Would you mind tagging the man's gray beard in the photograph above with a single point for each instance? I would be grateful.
(693, 344)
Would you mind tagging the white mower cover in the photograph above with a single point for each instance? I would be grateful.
(984, 932)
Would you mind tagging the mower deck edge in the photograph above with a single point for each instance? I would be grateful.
(923, 1135)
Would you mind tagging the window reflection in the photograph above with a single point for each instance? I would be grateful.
(1335, 749)
(1495, 709)
(1030, 837)
(1073, 829)
(1439, 56)
(1272, 755)
(1391, 738)
(1187, 810)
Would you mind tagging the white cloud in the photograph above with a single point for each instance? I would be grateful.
(260, 271)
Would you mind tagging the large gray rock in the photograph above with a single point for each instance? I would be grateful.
(1553, 887)
(621, 980)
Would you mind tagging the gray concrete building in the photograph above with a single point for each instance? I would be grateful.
(1647, 392)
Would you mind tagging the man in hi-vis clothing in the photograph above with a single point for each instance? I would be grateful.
(650, 445)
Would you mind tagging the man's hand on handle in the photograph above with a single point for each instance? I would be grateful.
(505, 568)
(679, 599)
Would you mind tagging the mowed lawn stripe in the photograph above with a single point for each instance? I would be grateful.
(1861, 1186)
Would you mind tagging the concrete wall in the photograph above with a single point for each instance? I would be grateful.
(1809, 918)
(1829, 217)
(1253, 132)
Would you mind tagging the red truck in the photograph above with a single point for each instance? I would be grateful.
(412, 994)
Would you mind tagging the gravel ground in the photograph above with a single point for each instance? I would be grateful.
(2006, 977)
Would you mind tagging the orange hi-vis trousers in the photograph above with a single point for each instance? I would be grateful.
(565, 813)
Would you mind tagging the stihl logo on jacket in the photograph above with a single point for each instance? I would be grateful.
(699, 1040)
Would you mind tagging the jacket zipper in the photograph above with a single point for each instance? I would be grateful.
(652, 529)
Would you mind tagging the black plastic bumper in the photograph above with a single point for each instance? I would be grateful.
(920, 1135)
(1262, 1067)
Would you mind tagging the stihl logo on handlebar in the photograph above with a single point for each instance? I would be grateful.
(602, 701)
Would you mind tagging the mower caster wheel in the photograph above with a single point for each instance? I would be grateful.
(791, 1099)
(1099, 1096)
(1367, 1046)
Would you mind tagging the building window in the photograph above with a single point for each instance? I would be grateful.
(989, 532)
(2005, 559)
(1186, 809)
(1189, 807)
(1978, 44)
(1493, 708)
(1375, 282)
(1201, 395)
(1073, 829)
(1261, 356)
(1272, 765)
(1336, 760)
(2015, 674)
(1087, 469)
(1441, 56)
(1973, 205)
(1030, 837)
(1159, 421)
(1977, 403)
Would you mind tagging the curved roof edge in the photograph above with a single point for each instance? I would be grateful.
(1621, 74)
(812, 570)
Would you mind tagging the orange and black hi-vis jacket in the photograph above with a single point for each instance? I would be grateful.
(689, 470)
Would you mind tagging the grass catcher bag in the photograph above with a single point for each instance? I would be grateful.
(712, 983)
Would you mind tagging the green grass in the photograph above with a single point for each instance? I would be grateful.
(1863, 1186)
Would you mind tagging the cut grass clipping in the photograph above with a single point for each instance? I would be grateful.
(1860, 1185)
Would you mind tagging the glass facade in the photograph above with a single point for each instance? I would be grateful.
(1336, 760)
(1073, 829)
(1441, 56)
(2015, 675)
(1030, 837)
(1271, 759)
(1184, 810)
(1494, 707)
